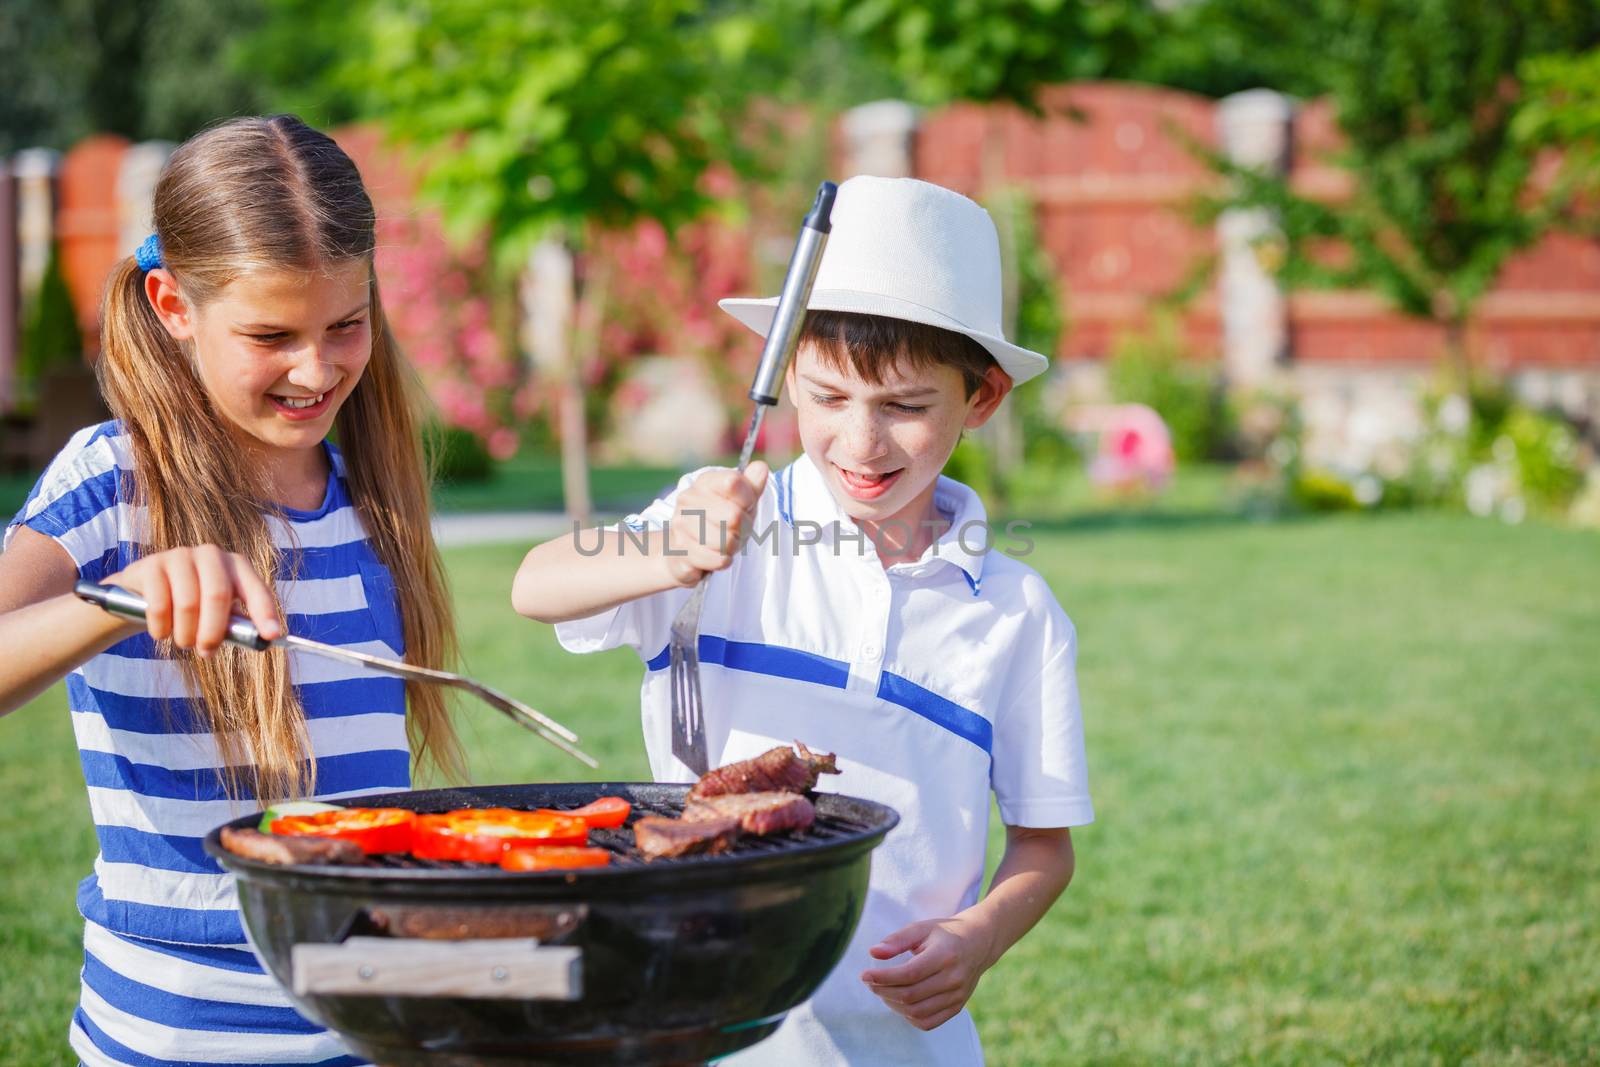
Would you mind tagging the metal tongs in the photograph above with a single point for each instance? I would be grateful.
(241, 631)
(783, 337)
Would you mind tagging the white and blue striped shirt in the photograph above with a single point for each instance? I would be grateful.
(168, 978)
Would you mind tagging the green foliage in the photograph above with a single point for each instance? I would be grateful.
(972, 466)
(140, 68)
(1549, 468)
(551, 117)
(455, 455)
(994, 49)
(50, 334)
(1563, 112)
(1152, 368)
(1424, 93)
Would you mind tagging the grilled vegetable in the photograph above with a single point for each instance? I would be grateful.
(374, 830)
(603, 814)
(553, 857)
(482, 835)
(291, 807)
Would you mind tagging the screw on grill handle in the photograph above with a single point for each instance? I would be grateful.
(130, 605)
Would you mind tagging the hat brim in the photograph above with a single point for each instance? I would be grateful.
(757, 313)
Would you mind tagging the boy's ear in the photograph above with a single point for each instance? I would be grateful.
(161, 289)
(983, 403)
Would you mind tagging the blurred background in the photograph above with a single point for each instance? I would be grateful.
(1314, 469)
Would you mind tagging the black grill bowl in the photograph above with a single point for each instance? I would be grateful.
(682, 960)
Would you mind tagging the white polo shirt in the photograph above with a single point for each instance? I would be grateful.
(934, 681)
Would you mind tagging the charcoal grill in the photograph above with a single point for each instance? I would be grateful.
(431, 964)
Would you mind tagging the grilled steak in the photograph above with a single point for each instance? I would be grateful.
(660, 838)
(758, 813)
(779, 770)
(287, 850)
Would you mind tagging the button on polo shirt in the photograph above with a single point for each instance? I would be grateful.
(934, 680)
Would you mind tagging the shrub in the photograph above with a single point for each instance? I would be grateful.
(50, 334)
(1151, 368)
(455, 454)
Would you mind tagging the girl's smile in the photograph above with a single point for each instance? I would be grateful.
(278, 352)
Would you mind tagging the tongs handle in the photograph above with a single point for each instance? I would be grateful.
(129, 605)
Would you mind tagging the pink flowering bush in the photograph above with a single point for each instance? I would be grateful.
(439, 303)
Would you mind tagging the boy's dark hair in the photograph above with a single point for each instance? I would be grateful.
(871, 344)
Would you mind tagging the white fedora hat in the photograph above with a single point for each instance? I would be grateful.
(907, 249)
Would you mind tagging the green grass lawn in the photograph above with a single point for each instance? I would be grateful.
(1346, 772)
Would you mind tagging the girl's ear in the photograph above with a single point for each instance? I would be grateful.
(161, 289)
(996, 384)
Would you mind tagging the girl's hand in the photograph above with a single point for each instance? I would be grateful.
(711, 520)
(948, 956)
(190, 595)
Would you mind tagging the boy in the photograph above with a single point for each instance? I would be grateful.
(862, 611)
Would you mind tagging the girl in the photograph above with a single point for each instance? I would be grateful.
(243, 332)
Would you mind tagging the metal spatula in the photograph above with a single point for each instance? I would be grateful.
(241, 631)
(783, 337)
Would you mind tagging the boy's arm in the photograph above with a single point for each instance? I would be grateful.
(590, 571)
(950, 955)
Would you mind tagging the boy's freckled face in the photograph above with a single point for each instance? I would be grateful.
(280, 351)
(879, 446)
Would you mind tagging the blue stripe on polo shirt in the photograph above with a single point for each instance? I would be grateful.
(936, 709)
(237, 960)
(335, 627)
(167, 852)
(78, 505)
(123, 1054)
(158, 715)
(189, 1013)
(190, 926)
(375, 769)
(773, 660)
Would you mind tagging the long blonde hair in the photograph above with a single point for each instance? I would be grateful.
(270, 194)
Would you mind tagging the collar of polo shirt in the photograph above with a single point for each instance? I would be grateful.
(804, 495)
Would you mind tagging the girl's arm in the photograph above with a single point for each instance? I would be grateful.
(48, 631)
(590, 571)
(950, 955)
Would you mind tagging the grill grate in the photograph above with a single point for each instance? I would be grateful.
(619, 842)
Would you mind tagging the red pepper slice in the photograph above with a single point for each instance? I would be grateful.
(482, 835)
(602, 814)
(373, 829)
(552, 858)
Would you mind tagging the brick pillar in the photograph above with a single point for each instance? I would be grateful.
(1254, 129)
(35, 172)
(879, 138)
(136, 186)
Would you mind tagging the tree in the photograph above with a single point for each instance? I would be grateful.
(1425, 94)
(551, 120)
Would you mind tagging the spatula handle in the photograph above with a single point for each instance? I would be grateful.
(130, 605)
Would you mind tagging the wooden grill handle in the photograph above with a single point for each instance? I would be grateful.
(490, 969)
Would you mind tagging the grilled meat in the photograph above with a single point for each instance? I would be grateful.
(758, 813)
(780, 770)
(287, 850)
(660, 838)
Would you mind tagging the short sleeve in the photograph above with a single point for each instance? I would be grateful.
(642, 624)
(76, 503)
(1039, 772)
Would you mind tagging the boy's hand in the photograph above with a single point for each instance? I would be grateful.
(190, 593)
(948, 956)
(712, 518)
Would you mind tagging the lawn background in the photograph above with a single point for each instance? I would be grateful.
(1346, 773)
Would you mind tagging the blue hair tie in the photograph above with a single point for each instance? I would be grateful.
(149, 254)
